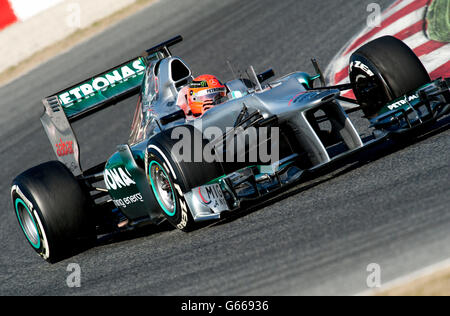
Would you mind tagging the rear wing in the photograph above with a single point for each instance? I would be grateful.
(92, 95)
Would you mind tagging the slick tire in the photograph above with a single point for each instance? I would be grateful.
(53, 211)
(384, 70)
(171, 177)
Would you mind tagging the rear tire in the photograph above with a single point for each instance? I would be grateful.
(384, 70)
(53, 211)
(171, 178)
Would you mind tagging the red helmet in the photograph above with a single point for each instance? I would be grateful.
(204, 93)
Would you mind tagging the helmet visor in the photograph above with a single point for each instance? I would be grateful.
(209, 95)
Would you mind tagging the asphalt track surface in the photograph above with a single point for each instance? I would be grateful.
(392, 210)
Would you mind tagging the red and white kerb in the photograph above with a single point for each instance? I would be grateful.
(405, 19)
(12, 11)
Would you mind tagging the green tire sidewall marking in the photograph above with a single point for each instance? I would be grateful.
(20, 201)
(171, 214)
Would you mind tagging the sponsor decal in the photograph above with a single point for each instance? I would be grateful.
(295, 98)
(64, 148)
(214, 90)
(307, 96)
(199, 84)
(212, 196)
(363, 67)
(184, 215)
(403, 102)
(102, 83)
(129, 200)
(117, 178)
(206, 201)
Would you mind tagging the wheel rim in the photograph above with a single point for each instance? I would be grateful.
(162, 188)
(27, 223)
(372, 92)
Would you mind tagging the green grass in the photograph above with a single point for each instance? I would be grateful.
(438, 19)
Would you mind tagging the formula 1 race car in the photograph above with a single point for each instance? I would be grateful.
(183, 170)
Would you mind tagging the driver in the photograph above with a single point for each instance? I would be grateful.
(202, 94)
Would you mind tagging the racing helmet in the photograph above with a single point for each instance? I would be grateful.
(205, 92)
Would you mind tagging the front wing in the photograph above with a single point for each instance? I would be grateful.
(420, 108)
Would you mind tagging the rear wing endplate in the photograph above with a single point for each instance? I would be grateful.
(92, 95)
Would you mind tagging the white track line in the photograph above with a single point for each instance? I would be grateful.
(391, 10)
(413, 42)
(431, 61)
(394, 28)
(404, 280)
(401, 24)
(416, 40)
(437, 58)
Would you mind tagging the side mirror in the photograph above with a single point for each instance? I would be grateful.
(319, 72)
(265, 75)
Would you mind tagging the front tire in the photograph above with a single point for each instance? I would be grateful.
(384, 70)
(171, 177)
(53, 211)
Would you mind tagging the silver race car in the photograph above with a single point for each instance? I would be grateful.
(268, 135)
